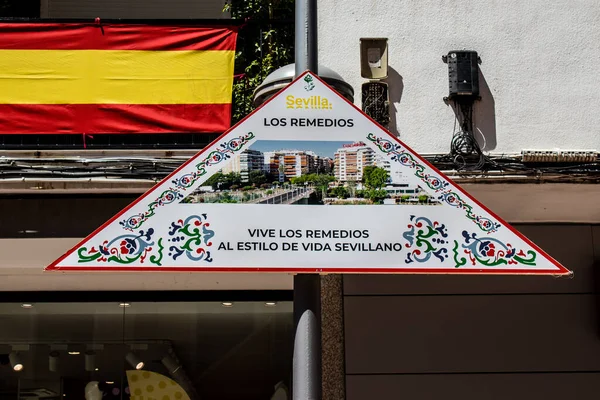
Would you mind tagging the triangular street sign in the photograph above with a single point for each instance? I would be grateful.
(348, 197)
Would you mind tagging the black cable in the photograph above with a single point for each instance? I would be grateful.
(156, 169)
(464, 149)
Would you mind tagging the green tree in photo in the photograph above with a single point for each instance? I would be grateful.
(374, 177)
(221, 181)
(299, 180)
(351, 185)
(321, 182)
(376, 195)
(215, 180)
(257, 177)
(233, 178)
(341, 192)
(225, 198)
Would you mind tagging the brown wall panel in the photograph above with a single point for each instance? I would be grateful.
(569, 244)
(58, 216)
(555, 386)
(596, 239)
(471, 333)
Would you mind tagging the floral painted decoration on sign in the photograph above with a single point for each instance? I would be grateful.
(174, 193)
(436, 183)
(223, 152)
(124, 249)
(425, 238)
(491, 252)
(191, 238)
(187, 237)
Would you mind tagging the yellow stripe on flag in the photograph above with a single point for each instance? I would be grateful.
(115, 77)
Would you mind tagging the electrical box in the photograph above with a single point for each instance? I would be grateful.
(376, 102)
(463, 73)
(374, 58)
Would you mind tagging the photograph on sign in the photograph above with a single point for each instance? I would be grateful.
(310, 172)
(308, 183)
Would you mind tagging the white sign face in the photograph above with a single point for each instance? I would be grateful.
(308, 183)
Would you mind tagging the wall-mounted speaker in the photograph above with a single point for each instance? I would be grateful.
(463, 73)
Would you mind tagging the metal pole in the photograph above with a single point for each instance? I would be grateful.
(307, 288)
(307, 343)
(306, 51)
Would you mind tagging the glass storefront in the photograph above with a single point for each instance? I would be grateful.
(145, 350)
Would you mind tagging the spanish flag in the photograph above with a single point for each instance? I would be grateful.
(115, 78)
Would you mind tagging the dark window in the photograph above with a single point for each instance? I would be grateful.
(195, 350)
(19, 8)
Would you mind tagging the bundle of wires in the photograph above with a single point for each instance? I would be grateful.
(466, 154)
(465, 151)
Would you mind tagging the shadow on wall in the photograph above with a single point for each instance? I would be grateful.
(484, 120)
(395, 87)
(484, 116)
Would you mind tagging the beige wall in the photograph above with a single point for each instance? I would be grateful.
(479, 337)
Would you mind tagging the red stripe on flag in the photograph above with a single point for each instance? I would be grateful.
(113, 118)
(72, 36)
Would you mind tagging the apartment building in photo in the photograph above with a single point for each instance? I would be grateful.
(287, 164)
(248, 160)
(350, 160)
